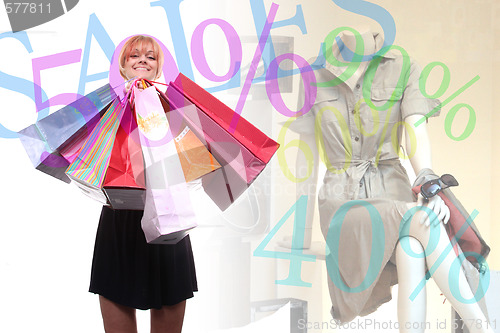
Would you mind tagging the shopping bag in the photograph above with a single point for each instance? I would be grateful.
(463, 233)
(196, 160)
(243, 153)
(225, 185)
(88, 169)
(256, 147)
(41, 156)
(124, 184)
(168, 213)
(486, 288)
(52, 142)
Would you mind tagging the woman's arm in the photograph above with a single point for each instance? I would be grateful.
(420, 159)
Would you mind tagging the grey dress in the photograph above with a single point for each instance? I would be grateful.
(365, 187)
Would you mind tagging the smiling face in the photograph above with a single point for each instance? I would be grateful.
(141, 57)
(141, 63)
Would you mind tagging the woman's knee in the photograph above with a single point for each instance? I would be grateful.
(117, 317)
(169, 318)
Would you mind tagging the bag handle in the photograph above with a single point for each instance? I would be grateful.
(145, 82)
(255, 209)
(129, 96)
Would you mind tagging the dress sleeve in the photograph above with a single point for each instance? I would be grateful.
(413, 101)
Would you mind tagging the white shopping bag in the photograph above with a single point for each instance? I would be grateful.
(168, 213)
(489, 303)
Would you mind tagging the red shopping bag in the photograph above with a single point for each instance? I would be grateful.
(256, 147)
(243, 153)
(470, 240)
(124, 184)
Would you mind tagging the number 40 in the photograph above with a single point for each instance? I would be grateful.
(296, 255)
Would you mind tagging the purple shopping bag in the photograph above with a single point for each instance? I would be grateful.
(52, 142)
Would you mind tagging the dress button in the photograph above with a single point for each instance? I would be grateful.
(353, 111)
(360, 184)
(358, 86)
(356, 139)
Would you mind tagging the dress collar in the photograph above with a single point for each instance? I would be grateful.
(379, 44)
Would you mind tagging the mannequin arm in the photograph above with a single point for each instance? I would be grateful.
(420, 158)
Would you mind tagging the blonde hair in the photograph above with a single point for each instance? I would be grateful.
(138, 42)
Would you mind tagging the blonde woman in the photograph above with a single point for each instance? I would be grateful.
(127, 272)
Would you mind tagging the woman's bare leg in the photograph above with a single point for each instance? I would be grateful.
(168, 319)
(117, 318)
(469, 312)
(411, 270)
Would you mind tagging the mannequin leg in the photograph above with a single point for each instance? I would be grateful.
(411, 270)
(469, 312)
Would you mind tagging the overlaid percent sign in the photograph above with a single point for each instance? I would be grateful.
(253, 66)
(450, 116)
(453, 274)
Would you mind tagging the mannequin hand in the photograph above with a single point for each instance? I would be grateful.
(437, 205)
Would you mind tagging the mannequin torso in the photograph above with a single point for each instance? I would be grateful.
(349, 41)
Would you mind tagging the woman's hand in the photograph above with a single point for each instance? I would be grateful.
(128, 85)
(437, 205)
(138, 83)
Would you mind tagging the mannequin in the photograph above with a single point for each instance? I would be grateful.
(309, 187)
(410, 270)
(348, 38)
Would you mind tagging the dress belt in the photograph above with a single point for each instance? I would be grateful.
(357, 169)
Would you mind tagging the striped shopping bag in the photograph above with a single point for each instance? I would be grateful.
(88, 170)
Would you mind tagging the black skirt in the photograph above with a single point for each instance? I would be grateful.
(129, 271)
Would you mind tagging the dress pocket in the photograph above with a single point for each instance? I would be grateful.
(386, 94)
(328, 105)
(384, 104)
(327, 94)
